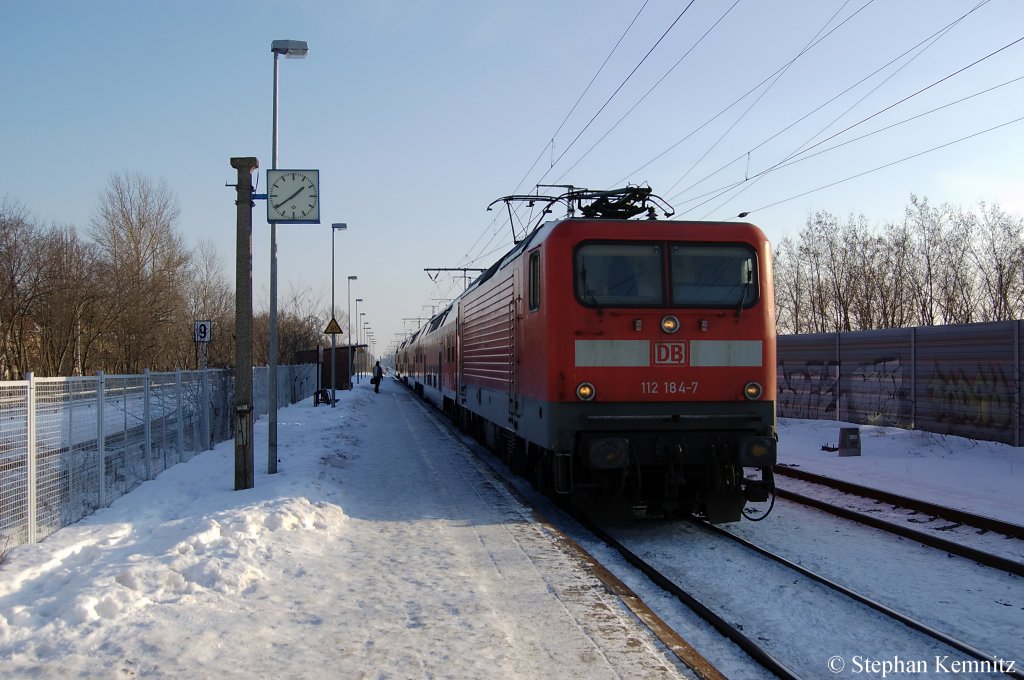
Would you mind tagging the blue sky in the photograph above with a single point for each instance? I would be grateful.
(419, 114)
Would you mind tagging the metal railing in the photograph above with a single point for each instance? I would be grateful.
(69, 446)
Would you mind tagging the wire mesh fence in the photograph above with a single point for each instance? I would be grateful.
(69, 446)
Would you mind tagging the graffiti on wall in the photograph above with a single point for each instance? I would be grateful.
(808, 389)
(972, 401)
(966, 380)
(878, 392)
(983, 398)
(873, 392)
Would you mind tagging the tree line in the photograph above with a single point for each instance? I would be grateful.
(123, 297)
(938, 265)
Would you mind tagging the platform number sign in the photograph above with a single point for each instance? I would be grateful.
(203, 331)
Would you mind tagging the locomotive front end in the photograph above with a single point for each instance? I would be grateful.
(663, 366)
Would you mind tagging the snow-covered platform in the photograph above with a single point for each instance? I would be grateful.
(382, 548)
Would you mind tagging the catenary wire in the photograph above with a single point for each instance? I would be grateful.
(821, 106)
(713, 193)
(814, 41)
(467, 256)
(728, 107)
(618, 89)
(888, 165)
(610, 98)
(652, 88)
(749, 182)
(760, 175)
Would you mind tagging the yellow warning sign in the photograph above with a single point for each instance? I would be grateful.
(332, 328)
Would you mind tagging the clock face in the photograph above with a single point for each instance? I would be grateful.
(293, 196)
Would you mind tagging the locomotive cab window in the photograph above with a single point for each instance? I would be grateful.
(619, 274)
(713, 276)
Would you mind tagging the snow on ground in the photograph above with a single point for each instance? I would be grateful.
(980, 477)
(382, 548)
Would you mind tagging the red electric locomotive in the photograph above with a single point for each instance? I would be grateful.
(617, 359)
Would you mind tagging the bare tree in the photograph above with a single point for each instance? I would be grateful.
(998, 256)
(211, 296)
(300, 327)
(957, 276)
(68, 303)
(894, 277)
(21, 284)
(145, 263)
(927, 226)
(792, 288)
(937, 266)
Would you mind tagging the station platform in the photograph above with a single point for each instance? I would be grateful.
(442, 571)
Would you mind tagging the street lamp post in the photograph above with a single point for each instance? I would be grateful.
(358, 300)
(349, 312)
(291, 49)
(359, 332)
(335, 227)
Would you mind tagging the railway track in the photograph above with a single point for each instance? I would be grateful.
(750, 642)
(788, 659)
(1009, 561)
(736, 634)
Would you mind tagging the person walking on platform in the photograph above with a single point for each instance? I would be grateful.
(378, 375)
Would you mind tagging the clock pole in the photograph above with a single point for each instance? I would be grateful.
(272, 350)
(292, 49)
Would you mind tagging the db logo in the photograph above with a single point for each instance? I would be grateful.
(670, 353)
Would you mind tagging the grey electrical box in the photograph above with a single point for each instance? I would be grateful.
(849, 441)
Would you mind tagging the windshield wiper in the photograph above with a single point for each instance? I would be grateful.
(588, 294)
(743, 295)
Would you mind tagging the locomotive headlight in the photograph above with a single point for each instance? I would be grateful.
(669, 324)
(585, 391)
(753, 390)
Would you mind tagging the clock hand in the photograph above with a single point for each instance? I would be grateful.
(289, 198)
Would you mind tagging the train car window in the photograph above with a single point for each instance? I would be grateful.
(437, 321)
(619, 274)
(713, 276)
(535, 281)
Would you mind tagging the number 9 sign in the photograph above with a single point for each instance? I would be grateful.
(203, 331)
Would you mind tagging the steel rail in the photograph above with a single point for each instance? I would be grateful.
(951, 514)
(980, 556)
(743, 641)
(865, 600)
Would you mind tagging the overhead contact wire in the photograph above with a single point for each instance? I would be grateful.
(761, 174)
(749, 182)
(600, 69)
(908, 97)
(821, 106)
(888, 165)
(813, 42)
(653, 87)
(618, 89)
(713, 193)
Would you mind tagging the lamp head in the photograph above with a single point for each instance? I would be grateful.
(291, 49)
